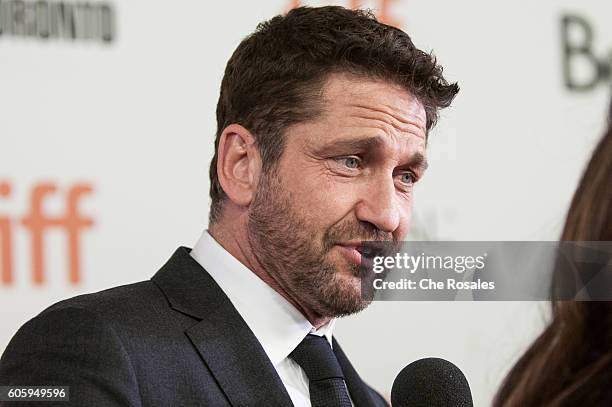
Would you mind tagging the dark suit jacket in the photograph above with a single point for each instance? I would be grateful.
(174, 340)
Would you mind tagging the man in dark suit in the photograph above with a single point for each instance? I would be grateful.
(322, 126)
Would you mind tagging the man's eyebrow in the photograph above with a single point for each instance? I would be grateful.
(351, 144)
(419, 161)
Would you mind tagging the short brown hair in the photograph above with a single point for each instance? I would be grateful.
(275, 76)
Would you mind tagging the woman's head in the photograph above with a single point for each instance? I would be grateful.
(570, 363)
(590, 214)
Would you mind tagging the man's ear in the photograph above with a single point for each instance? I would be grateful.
(238, 164)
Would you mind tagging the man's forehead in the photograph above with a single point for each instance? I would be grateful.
(347, 96)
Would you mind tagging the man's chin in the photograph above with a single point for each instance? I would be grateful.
(346, 308)
(349, 277)
(346, 296)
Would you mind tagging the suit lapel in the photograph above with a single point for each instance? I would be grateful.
(222, 338)
(359, 391)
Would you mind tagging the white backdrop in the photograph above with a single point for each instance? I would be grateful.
(134, 119)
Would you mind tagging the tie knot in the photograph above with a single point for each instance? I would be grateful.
(316, 357)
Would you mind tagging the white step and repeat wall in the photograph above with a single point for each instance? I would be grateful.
(107, 126)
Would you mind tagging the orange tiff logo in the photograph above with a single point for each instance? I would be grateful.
(36, 222)
(382, 7)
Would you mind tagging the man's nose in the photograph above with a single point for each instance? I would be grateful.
(378, 205)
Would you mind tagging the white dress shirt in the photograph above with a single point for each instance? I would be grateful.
(276, 323)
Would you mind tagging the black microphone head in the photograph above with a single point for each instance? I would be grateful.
(431, 382)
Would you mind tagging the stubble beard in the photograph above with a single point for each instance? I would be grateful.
(289, 251)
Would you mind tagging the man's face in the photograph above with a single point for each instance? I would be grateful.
(343, 178)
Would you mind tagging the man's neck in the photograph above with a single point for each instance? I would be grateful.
(236, 242)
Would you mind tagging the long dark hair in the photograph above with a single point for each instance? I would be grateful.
(570, 363)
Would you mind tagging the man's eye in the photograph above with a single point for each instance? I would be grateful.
(407, 178)
(351, 162)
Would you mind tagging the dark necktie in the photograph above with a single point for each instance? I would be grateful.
(325, 378)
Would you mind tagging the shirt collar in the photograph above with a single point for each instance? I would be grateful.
(277, 324)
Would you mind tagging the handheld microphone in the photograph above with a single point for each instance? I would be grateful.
(431, 382)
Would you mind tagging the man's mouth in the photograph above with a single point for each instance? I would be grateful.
(357, 253)
(366, 248)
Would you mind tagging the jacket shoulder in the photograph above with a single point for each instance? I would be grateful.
(112, 303)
